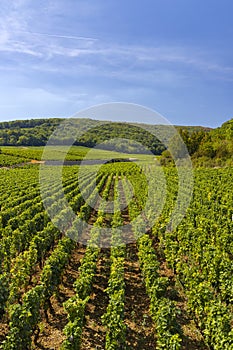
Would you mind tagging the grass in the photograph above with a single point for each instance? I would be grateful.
(64, 152)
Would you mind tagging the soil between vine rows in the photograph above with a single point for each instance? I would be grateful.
(141, 333)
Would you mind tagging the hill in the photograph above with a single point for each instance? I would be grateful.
(213, 148)
(205, 145)
(36, 132)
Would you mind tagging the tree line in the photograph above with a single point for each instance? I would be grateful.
(203, 144)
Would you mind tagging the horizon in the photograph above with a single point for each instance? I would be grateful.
(112, 121)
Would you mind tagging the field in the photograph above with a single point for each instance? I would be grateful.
(17, 155)
(78, 288)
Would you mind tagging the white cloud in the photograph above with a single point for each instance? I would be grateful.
(94, 53)
(41, 102)
(73, 37)
(24, 31)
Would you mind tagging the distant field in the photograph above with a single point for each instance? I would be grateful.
(17, 155)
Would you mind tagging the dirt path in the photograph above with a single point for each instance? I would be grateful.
(93, 336)
(4, 328)
(191, 337)
(51, 335)
(140, 329)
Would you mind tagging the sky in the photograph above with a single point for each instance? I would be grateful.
(173, 56)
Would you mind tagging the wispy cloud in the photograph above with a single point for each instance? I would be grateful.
(75, 53)
(92, 51)
(72, 37)
(48, 50)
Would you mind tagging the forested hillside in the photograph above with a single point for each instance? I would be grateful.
(212, 148)
(205, 145)
(35, 132)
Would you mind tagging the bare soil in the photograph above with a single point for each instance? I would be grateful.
(141, 333)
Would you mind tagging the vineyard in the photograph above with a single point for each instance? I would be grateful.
(164, 290)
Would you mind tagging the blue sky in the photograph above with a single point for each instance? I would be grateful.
(174, 56)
